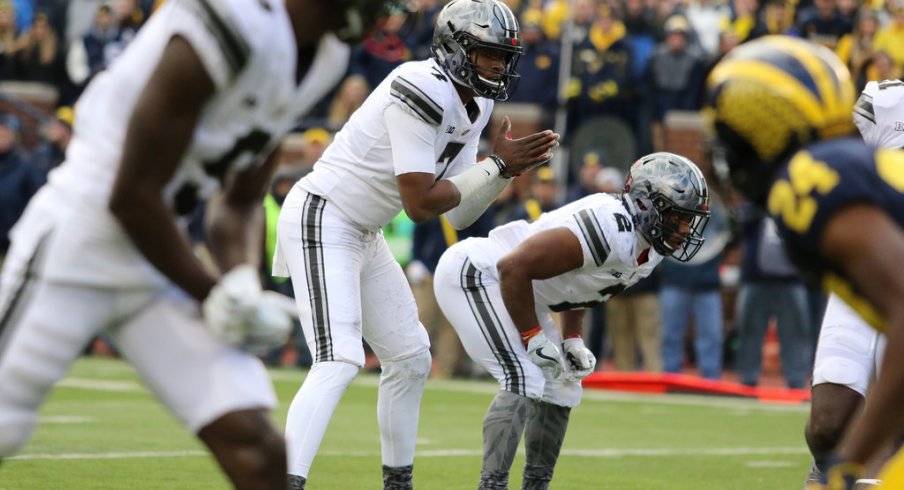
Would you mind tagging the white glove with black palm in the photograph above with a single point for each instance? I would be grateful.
(542, 352)
(579, 357)
(241, 314)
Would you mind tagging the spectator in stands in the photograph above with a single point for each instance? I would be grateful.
(39, 56)
(418, 28)
(709, 18)
(891, 37)
(593, 162)
(382, 51)
(883, 67)
(349, 97)
(770, 289)
(8, 34)
(280, 185)
(89, 56)
(639, 19)
(542, 198)
(539, 65)
(822, 23)
(80, 17)
(25, 13)
(856, 48)
(675, 76)
(315, 142)
(777, 17)
(602, 73)
(19, 179)
(692, 291)
(744, 20)
(56, 132)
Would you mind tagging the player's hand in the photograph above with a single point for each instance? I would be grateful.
(842, 475)
(523, 154)
(241, 314)
(542, 352)
(579, 357)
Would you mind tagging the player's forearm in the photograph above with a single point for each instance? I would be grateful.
(518, 296)
(572, 323)
(882, 417)
(149, 223)
(234, 233)
(436, 200)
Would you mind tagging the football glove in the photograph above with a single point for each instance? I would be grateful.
(239, 313)
(579, 357)
(542, 352)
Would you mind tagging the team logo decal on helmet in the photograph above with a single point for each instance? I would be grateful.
(464, 25)
(669, 201)
(771, 96)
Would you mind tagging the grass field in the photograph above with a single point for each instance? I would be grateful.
(101, 430)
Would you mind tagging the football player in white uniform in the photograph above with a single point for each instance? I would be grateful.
(849, 351)
(191, 108)
(412, 145)
(500, 292)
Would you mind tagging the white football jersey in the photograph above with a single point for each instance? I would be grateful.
(879, 114)
(357, 172)
(249, 50)
(609, 242)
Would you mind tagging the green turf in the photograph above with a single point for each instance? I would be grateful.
(101, 430)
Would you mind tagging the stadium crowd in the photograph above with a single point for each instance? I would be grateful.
(627, 64)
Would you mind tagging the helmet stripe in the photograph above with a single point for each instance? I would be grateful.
(819, 70)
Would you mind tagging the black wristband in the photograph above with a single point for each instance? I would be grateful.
(499, 164)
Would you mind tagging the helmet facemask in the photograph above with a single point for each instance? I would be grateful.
(678, 232)
(485, 81)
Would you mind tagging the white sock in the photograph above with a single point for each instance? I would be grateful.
(398, 407)
(311, 410)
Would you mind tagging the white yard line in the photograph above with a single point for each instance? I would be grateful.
(447, 453)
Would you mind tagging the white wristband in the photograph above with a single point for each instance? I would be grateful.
(475, 178)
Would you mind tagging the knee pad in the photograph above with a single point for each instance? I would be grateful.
(412, 369)
(332, 375)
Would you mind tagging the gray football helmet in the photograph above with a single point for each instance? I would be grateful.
(664, 192)
(464, 25)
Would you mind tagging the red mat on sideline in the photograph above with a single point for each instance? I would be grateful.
(640, 382)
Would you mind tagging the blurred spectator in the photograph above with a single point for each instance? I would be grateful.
(90, 55)
(80, 17)
(39, 57)
(593, 162)
(777, 18)
(822, 23)
(280, 185)
(610, 180)
(744, 20)
(301, 150)
(891, 37)
(602, 76)
(349, 97)
(381, 52)
(542, 198)
(856, 48)
(539, 65)
(770, 288)
(692, 291)
(675, 76)
(418, 28)
(25, 12)
(56, 132)
(882, 67)
(639, 19)
(19, 179)
(708, 18)
(8, 34)
(634, 322)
